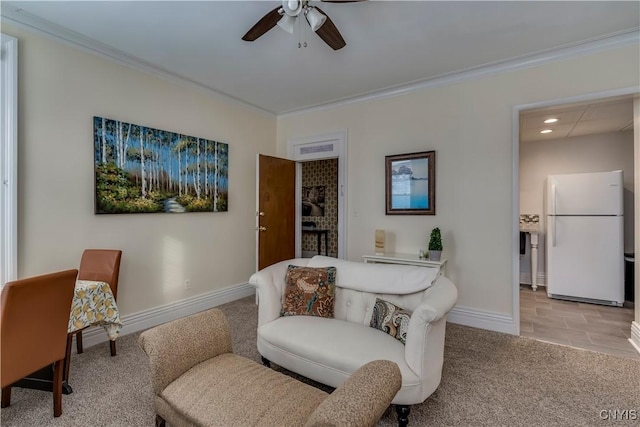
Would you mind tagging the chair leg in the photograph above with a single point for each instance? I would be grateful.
(160, 422)
(112, 347)
(403, 415)
(58, 367)
(6, 397)
(67, 358)
(79, 342)
(266, 362)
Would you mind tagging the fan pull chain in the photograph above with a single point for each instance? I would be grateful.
(301, 42)
(305, 31)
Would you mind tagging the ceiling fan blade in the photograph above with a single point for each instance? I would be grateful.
(330, 34)
(267, 22)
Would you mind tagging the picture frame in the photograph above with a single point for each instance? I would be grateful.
(411, 183)
(140, 169)
(313, 200)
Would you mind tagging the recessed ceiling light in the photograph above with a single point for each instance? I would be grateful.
(553, 120)
(546, 131)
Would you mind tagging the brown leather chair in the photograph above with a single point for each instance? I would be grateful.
(33, 328)
(101, 265)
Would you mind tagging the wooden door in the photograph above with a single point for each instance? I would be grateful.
(276, 210)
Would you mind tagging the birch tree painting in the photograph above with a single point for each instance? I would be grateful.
(141, 169)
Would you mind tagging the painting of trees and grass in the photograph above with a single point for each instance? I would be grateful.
(141, 169)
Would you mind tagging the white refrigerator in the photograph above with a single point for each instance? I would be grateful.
(584, 237)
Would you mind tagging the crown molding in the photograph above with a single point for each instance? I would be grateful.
(11, 14)
(612, 41)
(14, 15)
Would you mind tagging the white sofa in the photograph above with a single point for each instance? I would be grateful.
(330, 350)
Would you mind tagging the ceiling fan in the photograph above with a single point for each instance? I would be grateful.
(285, 17)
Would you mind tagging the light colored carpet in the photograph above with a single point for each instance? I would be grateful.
(489, 379)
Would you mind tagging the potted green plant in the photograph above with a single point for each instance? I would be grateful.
(435, 245)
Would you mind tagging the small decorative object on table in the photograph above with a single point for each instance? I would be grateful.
(379, 242)
(435, 245)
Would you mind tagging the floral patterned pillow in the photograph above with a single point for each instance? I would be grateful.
(391, 319)
(309, 291)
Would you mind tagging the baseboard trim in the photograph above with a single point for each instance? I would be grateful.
(149, 318)
(482, 319)
(525, 279)
(155, 316)
(635, 336)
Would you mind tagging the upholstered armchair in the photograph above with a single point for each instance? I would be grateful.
(198, 381)
(33, 328)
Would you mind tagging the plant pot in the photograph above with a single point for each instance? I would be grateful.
(435, 255)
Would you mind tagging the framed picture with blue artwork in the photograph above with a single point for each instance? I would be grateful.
(411, 183)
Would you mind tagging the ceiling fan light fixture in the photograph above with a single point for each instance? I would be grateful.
(315, 18)
(292, 7)
(285, 16)
(287, 23)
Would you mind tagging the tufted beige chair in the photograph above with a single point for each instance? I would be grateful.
(198, 381)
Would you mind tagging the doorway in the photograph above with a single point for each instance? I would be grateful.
(592, 135)
(321, 169)
(319, 208)
(9, 159)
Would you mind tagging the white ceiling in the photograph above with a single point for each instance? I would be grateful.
(389, 43)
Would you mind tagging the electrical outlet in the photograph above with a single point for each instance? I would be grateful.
(187, 285)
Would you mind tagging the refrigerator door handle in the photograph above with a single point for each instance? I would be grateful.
(554, 197)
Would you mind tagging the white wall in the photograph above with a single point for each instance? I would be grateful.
(469, 124)
(60, 90)
(581, 154)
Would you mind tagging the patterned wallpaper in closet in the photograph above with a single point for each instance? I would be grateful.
(322, 173)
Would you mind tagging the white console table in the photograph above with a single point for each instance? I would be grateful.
(530, 224)
(406, 259)
(533, 233)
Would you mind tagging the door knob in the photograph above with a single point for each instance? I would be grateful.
(261, 228)
(260, 213)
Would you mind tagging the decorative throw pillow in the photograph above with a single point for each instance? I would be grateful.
(309, 291)
(391, 319)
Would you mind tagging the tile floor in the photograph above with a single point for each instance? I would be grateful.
(589, 326)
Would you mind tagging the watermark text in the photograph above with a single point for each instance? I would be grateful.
(619, 414)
